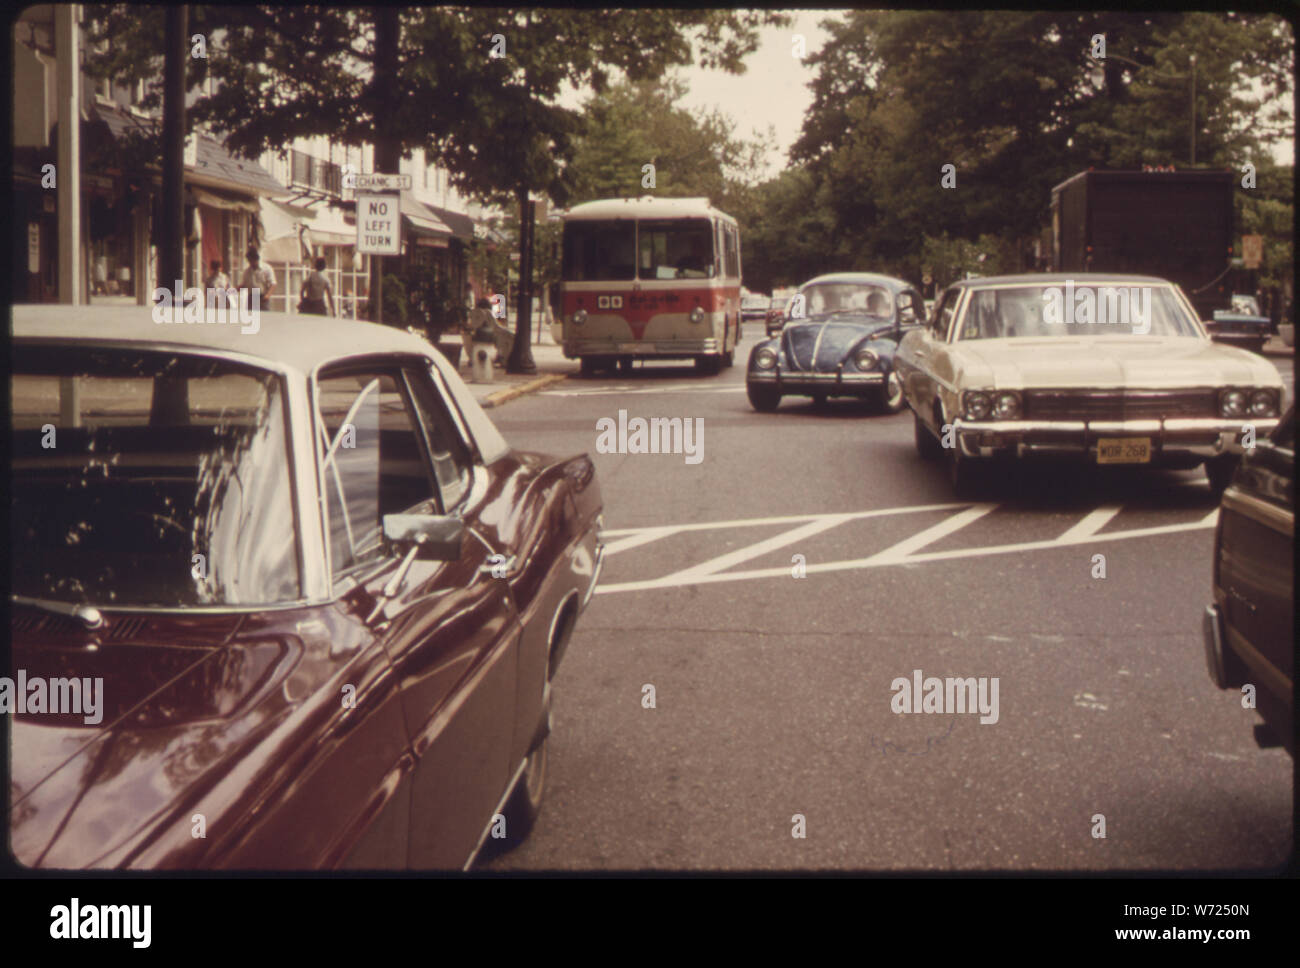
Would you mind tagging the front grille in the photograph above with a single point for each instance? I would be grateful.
(1119, 404)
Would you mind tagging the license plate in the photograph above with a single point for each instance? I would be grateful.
(1124, 450)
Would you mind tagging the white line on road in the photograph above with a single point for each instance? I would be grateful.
(1093, 522)
(904, 548)
(785, 519)
(876, 561)
(627, 391)
(755, 550)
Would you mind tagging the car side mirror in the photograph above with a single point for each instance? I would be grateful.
(432, 537)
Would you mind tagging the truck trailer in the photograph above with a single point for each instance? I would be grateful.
(1173, 224)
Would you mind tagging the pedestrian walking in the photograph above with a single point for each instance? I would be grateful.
(316, 295)
(257, 279)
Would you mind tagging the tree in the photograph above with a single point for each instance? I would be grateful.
(371, 75)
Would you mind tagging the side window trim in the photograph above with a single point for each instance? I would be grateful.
(440, 496)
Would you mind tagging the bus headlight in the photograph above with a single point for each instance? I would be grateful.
(697, 314)
(579, 317)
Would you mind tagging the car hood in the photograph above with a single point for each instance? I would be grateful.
(173, 718)
(822, 344)
(1107, 361)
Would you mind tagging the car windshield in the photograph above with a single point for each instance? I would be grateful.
(830, 298)
(149, 478)
(1076, 310)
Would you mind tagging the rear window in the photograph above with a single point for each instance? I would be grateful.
(149, 478)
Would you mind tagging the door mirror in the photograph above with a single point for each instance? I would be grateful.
(437, 537)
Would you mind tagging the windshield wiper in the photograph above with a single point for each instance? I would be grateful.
(90, 616)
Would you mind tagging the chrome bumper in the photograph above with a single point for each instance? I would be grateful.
(640, 348)
(1176, 436)
(801, 381)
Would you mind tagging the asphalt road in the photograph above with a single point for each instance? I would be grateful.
(773, 694)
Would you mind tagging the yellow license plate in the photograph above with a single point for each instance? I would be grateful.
(1123, 450)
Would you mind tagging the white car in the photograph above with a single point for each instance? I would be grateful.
(1100, 368)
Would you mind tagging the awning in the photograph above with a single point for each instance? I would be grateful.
(229, 204)
(280, 227)
(328, 227)
(422, 219)
(462, 226)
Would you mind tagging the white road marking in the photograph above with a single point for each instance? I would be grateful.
(890, 556)
(907, 546)
(1093, 522)
(636, 540)
(784, 519)
(755, 550)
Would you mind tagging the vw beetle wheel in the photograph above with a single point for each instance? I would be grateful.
(763, 399)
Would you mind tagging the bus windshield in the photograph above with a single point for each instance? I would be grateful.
(649, 249)
(599, 251)
(676, 249)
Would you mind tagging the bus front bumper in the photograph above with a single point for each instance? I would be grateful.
(641, 349)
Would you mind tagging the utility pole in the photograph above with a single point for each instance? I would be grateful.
(388, 154)
(171, 234)
(68, 171)
(521, 352)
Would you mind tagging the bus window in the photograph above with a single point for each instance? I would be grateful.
(676, 249)
(733, 253)
(599, 251)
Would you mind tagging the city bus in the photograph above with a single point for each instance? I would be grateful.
(650, 279)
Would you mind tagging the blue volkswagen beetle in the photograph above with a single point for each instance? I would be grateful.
(837, 339)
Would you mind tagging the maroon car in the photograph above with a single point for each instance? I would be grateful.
(282, 598)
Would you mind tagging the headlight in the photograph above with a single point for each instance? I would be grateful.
(1263, 403)
(580, 317)
(1006, 406)
(976, 404)
(697, 315)
(765, 359)
(865, 359)
(1234, 403)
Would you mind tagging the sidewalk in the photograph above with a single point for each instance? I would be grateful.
(552, 367)
(1275, 347)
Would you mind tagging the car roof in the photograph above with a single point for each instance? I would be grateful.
(300, 342)
(1047, 278)
(861, 278)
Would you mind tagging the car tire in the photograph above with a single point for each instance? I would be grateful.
(966, 474)
(1219, 470)
(587, 366)
(927, 444)
(763, 399)
(625, 365)
(819, 400)
(525, 804)
(889, 398)
(729, 357)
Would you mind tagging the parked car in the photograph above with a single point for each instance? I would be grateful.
(326, 601)
(754, 306)
(1008, 380)
(1250, 625)
(1243, 325)
(839, 340)
(775, 318)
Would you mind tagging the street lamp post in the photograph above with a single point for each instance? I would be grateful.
(1098, 79)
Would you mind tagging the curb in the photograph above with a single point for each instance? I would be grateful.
(508, 394)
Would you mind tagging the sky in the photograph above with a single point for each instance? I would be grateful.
(774, 90)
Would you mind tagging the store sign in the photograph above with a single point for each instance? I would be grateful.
(379, 224)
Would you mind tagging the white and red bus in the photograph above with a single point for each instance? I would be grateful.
(650, 278)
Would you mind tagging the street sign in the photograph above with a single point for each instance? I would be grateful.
(378, 183)
(379, 224)
(1252, 251)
